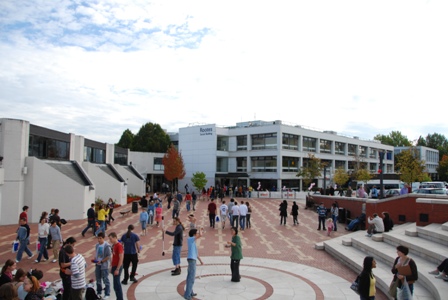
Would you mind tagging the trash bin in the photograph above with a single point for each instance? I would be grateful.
(341, 217)
(135, 207)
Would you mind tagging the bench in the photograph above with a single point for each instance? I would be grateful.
(124, 213)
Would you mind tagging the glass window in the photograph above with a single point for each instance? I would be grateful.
(120, 159)
(223, 143)
(222, 164)
(264, 141)
(351, 165)
(241, 164)
(47, 148)
(339, 148)
(339, 164)
(241, 142)
(325, 146)
(264, 164)
(363, 151)
(94, 155)
(158, 164)
(290, 164)
(373, 167)
(290, 141)
(309, 144)
(352, 149)
(373, 153)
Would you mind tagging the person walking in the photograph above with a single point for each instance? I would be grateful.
(229, 209)
(42, 230)
(295, 213)
(176, 208)
(235, 214)
(111, 206)
(404, 265)
(178, 235)
(236, 256)
(192, 257)
(90, 220)
(23, 236)
(102, 215)
(77, 273)
(243, 213)
(322, 214)
(102, 261)
(334, 215)
(283, 208)
(248, 215)
(131, 247)
(223, 210)
(144, 217)
(116, 264)
(188, 199)
(194, 198)
(212, 212)
(367, 281)
(56, 240)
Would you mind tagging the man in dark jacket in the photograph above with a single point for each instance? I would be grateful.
(90, 220)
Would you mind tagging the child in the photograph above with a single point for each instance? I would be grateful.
(144, 220)
(151, 209)
(192, 221)
(158, 213)
(330, 226)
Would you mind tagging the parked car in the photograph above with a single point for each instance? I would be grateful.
(433, 184)
(392, 193)
(431, 191)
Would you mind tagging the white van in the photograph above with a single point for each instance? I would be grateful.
(433, 184)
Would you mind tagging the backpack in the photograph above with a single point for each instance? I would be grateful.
(91, 294)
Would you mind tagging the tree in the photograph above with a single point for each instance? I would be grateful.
(435, 141)
(340, 176)
(311, 169)
(363, 175)
(395, 138)
(151, 138)
(442, 169)
(126, 140)
(410, 167)
(174, 166)
(199, 181)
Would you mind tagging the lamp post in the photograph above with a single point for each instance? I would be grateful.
(381, 153)
(325, 180)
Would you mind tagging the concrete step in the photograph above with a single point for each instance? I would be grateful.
(353, 257)
(433, 232)
(445, 226)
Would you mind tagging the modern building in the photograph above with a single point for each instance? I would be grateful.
(270, 153)
(428, 155)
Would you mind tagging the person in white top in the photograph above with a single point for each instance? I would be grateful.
(243, 213)
(43, 230)
(376, 225)
(235, 214)
(223, 212)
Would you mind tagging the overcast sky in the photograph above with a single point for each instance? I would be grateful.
(96, 68)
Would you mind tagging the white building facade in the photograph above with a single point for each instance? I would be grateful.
(270, 153)
(428, 155)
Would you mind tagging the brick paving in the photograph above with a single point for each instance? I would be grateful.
(265, 239)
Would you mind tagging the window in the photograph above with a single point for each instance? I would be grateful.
(351, 165)
(94, 155)
(290, 141)
(373, 167)
(290, 164)
(158, 165)
(47, 148)
(309, 144)
(222, 164)
(120, 159)
(339, 164)
(264, 141)
(241, 142)
(241, 164)
(352, 149)
(363, 151)
(339, 148)
(373, 153)
(325, 146)
(223, 143)
(264, 164)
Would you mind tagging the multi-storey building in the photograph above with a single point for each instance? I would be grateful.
(428, 155)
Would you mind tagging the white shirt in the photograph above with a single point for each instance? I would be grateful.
(243, 210)
(235, 210)
(378, 222)
(43, 230)
(223, 208)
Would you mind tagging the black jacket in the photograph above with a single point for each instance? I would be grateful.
(364, 284)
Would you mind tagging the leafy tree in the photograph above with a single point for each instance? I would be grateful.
(410, 167)
(126, 140)
(311, 169)
(151, 138)
(174, 166)
(435, 141)
(199, 181)
(340, 176)
(363, 175)
(395, 138)
(442, 169)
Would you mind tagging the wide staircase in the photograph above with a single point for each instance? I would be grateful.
(428, 246)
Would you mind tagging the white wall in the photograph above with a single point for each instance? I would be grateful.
(135, 185)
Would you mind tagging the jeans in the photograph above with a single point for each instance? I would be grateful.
(242, 222)
(231, 220)
(90, 224)
(175, 213)
(127, 260)
(102, 275)
(321, 221)
(235, 221)
(102, 227)
(188, 205)
(248, 220)
(190, 278)
(176, 255)
(23, 246)
(43, 249)
(335, 222)
(212, 220)
(117, 283)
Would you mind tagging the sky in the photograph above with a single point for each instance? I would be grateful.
(96, 68)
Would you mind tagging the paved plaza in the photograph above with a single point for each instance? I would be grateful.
(280, 262)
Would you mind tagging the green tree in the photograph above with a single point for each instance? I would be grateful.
(174, 168)
(151, 138)
(199, 181)
(410, 167)
(126, 140)
(435, 141)
(442, 169)
(395, 138)
(340, 176)
(311, 169)
(363, 175)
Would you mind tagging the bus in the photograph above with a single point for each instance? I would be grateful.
(387, 184)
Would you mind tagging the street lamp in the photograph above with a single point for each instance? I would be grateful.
(381, 153)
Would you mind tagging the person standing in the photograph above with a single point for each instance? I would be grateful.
(116, 264)
(223, 211)
(229, 209)
(194, 198)
(176, 208)
(144, 217)
(243, 213)
(283, 208)
(102, 261)
(374, 192)
(192, 257)
(77, 273)
(188, 201)
(236, 256)
(159, 213)
(131, 247)
(90, 220)
(367, 281)
(322, 214)
(102, 215)
(43, 230)
(23, 236)
(64, 265)
(334, 215)
(295, 212)
(249, 213)
(111, 206)
(178, 235)
(212, 212)
(404, 265)
(56, 239)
